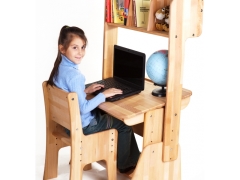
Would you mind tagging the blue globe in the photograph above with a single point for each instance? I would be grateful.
(157, 67)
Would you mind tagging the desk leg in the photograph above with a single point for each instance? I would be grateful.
(150, 165)
(153, 126)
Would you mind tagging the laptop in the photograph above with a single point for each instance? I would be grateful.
(128, 73)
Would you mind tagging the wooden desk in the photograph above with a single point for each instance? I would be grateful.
(145, 113)
(131, 109)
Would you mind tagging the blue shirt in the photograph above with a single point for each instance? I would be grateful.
(70, 79)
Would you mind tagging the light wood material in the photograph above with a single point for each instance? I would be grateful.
(156, 119)
(62, 110)
(153, 125)
(150, 165)
(185, 22)
(139, 29)
(131, 109)
(182, 18)
(154, 6)
(145, 113)
(196, 19)
(110, 38)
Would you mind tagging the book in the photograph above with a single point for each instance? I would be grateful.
(117, 13)
(120, 4)
(126, 6)
(108, 11)
(134, 13)
(142, 12)
(112, 11)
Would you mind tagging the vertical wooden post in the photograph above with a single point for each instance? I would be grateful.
(185, 21)
(110, 38)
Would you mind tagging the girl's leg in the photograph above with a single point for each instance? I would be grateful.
(128, 152)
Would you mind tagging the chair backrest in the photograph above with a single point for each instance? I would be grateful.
(62, 111)
(62, 108)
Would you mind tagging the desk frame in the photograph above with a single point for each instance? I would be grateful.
(185, 22)
(145, 113)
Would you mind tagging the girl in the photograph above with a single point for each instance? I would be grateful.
(66, 75)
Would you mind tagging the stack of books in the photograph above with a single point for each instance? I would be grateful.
(114, 11)
(117, 11)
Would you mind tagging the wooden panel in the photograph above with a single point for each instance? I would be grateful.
(107, 139)
(60, 116)
(193, 18)
(135, 120)
(180, 21)
(110, 38)
(59, 97)
(58, 106)
(139, 29)
(174, 82)
(53, 144)
(90, 148)
(151, 167)
(153, 125)
(196, 18)
(154, 6)
(130, 107)
(63, 137)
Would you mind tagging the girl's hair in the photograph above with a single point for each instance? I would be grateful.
(66, 35)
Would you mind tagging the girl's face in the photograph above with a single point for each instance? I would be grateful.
(76, 50)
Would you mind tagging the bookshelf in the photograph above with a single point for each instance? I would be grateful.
(139, 29)
(185, 22)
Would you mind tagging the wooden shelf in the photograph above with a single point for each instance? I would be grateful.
(185, 21)
(144, 30)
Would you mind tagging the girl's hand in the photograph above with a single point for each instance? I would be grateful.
(92, 88)
(111, 92)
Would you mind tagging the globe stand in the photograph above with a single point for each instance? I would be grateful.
(159, 92)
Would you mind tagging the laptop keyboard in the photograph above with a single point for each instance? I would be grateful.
(110, 83)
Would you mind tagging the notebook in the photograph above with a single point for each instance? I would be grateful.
(128, 73)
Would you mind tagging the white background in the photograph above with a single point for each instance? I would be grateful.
(209, 128)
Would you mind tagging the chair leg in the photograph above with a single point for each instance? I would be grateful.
(51, 162)
(111, 169)
(76, 170)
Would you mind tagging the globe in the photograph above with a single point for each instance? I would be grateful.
(157, 69)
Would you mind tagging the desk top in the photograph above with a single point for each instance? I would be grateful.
(135, 105)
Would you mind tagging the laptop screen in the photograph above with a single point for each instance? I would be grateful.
(129, 65)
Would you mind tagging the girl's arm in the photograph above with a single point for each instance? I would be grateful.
(77, 84)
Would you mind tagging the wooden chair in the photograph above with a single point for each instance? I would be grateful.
(62, 111)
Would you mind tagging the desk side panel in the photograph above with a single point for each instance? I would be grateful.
(150, 165)
(153, 126)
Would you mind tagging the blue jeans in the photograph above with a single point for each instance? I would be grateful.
(127, 149)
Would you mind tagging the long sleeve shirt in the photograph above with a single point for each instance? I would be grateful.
(70, 79)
